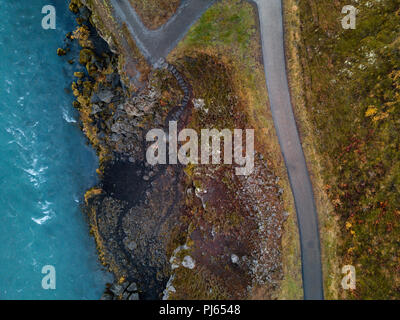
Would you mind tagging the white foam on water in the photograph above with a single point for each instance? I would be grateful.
(68, 118)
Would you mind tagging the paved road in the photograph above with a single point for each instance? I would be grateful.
(156, 44)
(270, 13)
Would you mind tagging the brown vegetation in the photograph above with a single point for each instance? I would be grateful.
(155, 13)
(345, 85)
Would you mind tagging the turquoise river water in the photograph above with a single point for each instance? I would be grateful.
(45, 164)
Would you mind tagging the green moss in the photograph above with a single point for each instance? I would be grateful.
(74, 6)
(227, 23)
(79, 75)
(85, 56)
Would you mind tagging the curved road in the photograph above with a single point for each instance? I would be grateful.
(158, 43)
(271, 24)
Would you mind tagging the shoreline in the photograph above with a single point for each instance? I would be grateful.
(116, 133)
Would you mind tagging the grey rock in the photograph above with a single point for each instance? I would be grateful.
(84, 12)
(94, 98)
(106, 296)
(132, 246)
(125, 295)
(118, 127)
(132, 287)
(118, 289)
(96, 109)
(105, 95)
(134, 296)
(114, 79)
(234, 258)
(115, 137)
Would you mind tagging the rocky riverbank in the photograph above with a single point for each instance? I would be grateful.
(171, 231)
(135, 206)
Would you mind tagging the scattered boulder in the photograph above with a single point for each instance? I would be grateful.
(132, 246)
(199, 103)
(234, 259)
(132, 287)
(105, 95)
(118, 289)
(134, 296)
(95, 109)
(61, 52)
(188, 262)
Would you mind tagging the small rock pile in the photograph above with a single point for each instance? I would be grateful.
(124, 291)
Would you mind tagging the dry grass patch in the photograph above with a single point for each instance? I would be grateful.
(155, 13)
(345, 87)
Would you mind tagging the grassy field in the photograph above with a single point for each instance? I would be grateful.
(229, 32)
(154, 13)
(346, 91)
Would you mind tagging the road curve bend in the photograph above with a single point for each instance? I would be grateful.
(156, 44)
(272, 35)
